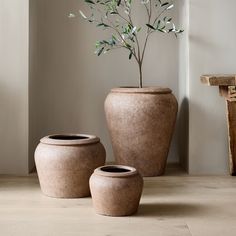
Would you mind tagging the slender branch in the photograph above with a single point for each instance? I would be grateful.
(165, 9)
(121, 46)
(150, 6)
(149, 31)
(136, 38)
(147, 9)
(135, 55)
(122, 17)
(138, 58)
(117, 47)
(130, 22)
(117, 31)
(145, 45)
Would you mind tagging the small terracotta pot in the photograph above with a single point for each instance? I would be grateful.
(65, 163)
(141, 123)
(116, 190)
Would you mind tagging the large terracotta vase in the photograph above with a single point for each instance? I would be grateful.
(141, 122)
(66, 162)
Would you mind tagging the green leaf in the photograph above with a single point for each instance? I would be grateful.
(150, 26)
(102, 24)
(170, 7)
(82, 14)
(71, 15)
(162, 30)
(130, 55)
(89, 1)
(164, 4)
(100, 51)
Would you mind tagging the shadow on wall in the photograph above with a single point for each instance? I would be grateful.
(183, 128)
(208, 124)
(208, 154)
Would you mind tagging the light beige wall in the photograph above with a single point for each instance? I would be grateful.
(14, 86)
(69, 83)
(212, 50)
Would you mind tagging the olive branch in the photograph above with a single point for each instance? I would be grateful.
(117, 16)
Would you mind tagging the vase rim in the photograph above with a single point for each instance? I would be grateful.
(145, 90)
(69, 139)
(107, 171)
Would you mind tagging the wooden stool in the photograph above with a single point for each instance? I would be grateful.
(227, 88)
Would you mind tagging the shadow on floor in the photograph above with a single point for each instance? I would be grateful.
(170, 209)
(174, 169)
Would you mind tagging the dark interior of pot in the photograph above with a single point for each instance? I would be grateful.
(68, 137)
(128, 87)
(115, 169)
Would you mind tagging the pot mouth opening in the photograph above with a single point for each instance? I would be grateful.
(67, 137)
(115, 171)
(144, 90)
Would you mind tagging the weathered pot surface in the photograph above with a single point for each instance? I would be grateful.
(141, 122)
(65, 163)
(116, 190)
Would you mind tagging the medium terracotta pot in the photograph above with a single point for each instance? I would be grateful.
(116, 190)
(65, 163)
(141, 122)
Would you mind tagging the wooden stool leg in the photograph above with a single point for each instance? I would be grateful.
(227, 87)
(231, 113)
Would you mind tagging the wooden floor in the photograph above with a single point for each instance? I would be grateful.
(173, 205)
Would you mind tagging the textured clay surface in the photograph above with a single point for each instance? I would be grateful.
(141, 124)
(65, 166)
(116, 194)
